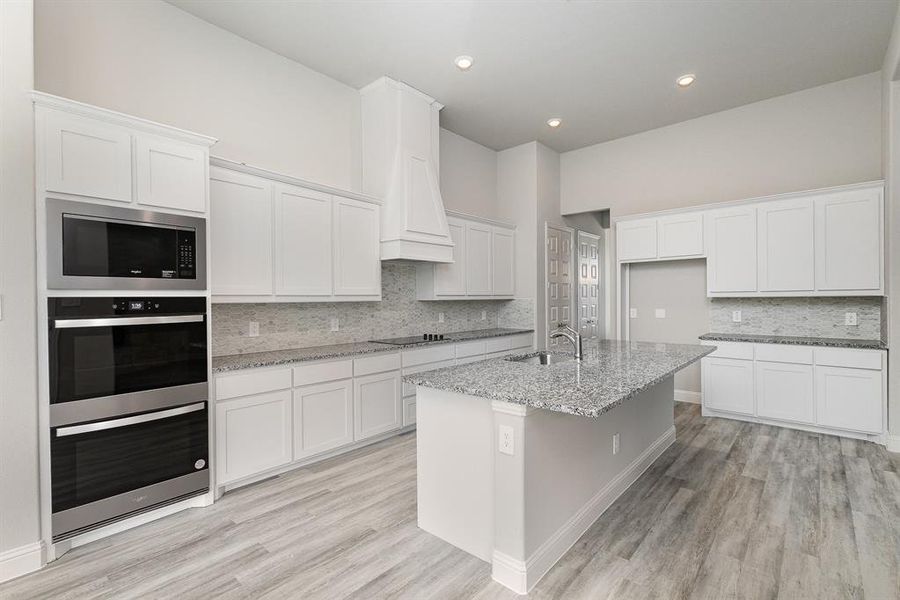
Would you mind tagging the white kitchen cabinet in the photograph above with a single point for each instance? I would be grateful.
(503, 250)
(850, 399)
(786, 246)
(240, 223)
(253, 434)
(849, 241)
(728, 385)
(323, 417)
(85, 156)
(636, 240)
(450, 278)
(170, 174)
(303, 242)
(479, 261)
(680, 236)
(378, 406)
(357, 262)
(731, 250)
(409, 411)
(785, 392)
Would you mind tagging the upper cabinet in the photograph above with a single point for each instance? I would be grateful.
(100, 155)
(819, 243)
(275, 240)
(483, 267)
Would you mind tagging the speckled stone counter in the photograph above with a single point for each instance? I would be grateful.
(611, 372)
(235, 362)
(795, 340)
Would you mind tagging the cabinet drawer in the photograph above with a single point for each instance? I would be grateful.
(801, 355)
(738, 350)
(522, 340)
(496, 344)
(322, 372)
(431, 354)
(376, 364)
(409, 389)
(252, 382)
(850, 358)
(465, 349)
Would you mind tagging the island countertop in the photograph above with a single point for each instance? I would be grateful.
(611, 372)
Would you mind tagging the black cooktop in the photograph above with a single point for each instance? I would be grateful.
(414, 339)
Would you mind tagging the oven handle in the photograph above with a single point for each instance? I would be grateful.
(114, 423)
(121, 321)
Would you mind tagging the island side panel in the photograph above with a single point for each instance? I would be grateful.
(455, 469)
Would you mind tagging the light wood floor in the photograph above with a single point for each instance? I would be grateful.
(731, 510)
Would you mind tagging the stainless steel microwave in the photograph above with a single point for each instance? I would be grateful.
(95, 246)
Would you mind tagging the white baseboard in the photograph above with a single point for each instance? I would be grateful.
(892, 442)
(21, 561)
(521, 576)
(688, 396)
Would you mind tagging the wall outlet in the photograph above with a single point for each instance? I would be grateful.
(440, 317)
(506, 440)
(615, 443)
(335, 324)
(660, 313)
(253, 329)
(735, 316)
(632, 312)
(484, 315)
(851, 318)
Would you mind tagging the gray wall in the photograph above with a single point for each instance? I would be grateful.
(468, 176)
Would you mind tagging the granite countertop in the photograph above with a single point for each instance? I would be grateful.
(235, 362)
(795, 340)
(611, 372)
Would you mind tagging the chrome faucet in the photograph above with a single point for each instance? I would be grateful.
(570, 334)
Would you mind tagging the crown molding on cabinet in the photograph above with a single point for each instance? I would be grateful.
(487, 221)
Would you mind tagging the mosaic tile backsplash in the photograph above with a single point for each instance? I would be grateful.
(283, 326)
(814, 317)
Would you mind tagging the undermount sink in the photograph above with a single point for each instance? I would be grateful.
(541, 358)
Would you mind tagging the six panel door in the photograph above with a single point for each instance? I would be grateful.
(303, 262)
(323, 417)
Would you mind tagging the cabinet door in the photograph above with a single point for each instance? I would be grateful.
(680, 236)
(784, 391)
(450, 278)
(409, 411)
(253, 435)
(731, 250)
(377, 405)
(240, 220)
(303, 242)
(636, 240)
(849, 399)
(170, 174)
(479, 263)
(728, 385)
(323, 417)
(786, 246)
(503, 269)
(849, 241)
(86, 157)
(357, 248)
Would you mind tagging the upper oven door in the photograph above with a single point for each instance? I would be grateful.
(94, 246)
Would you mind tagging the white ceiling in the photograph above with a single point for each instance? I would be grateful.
(607, 68)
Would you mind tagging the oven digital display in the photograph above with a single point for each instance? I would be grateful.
(135, 305)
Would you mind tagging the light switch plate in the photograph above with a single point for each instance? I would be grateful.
(484, 315)
(335, 324)
(660, 313)
(440, 317)
(253, 329)
(506, 440)
(616, 441)
(632, 313)
(851, 319)
(735, 316)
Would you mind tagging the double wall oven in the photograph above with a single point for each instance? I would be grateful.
(128, 384)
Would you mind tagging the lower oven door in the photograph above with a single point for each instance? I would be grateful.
(105, 470)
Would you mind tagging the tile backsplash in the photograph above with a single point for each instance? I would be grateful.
(295, 325)
(815, 317)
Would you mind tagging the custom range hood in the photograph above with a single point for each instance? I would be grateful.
(400, 135)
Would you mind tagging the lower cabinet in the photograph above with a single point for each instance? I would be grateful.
(253, 434)
(785, 392)
(377, 404)
(849, 399)
(323, 417)
(728, 385)
(409, 411)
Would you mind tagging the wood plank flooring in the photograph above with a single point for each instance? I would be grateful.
(731, 510)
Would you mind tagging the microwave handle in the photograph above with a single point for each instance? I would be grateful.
(122, 321)
(114, 423)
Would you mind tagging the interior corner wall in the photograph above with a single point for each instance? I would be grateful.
(468, 176)
(19, 483)
(150, 59)
(891, 120)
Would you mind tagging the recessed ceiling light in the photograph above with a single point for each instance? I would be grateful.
(464, 63)
(554, 122)
(686, 80)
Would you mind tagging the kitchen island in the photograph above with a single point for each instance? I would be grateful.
(517, 459)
